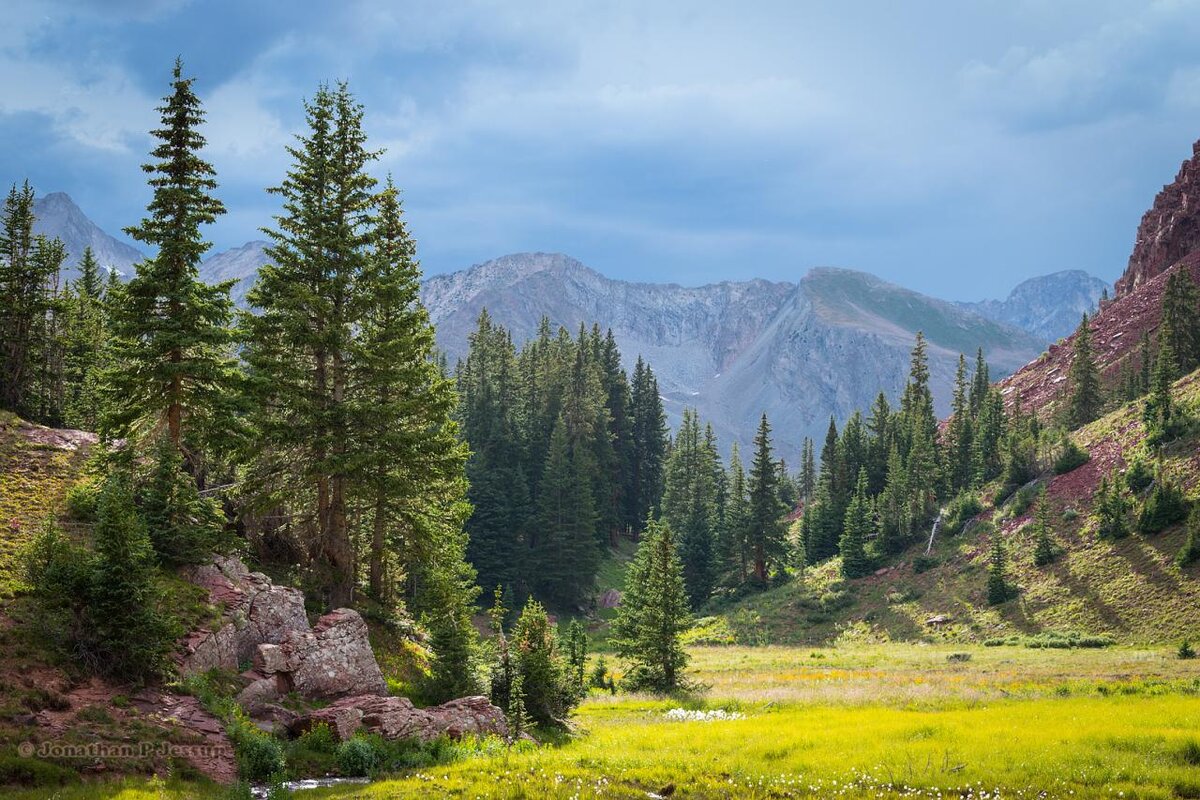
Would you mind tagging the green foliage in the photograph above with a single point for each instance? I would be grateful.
(999, 590)
(184, 527)
(1139, 476)
(962, 509)
(1189, 553)
(1070, 457)
(453, 638)
(546, 689)
(690, 506)
(1112, 509)
(923, 563)
(654, 614)
(33, 772)
(82, 498)
(260, 756)
(1165, 506)
(358, 756)
(1185, 650)
(1086, 397)
(1044, 549)
(600, 677)
(576, 647)
(858, 528)
(766, 527)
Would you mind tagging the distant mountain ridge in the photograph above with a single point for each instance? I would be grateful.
(801, 351)
(1049, 306)
(57, 215)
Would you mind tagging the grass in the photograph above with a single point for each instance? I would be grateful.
(853, 721)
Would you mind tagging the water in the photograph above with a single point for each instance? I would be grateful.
(937, 523)
(309, 783)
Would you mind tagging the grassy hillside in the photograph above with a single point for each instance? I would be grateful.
(1130, 589)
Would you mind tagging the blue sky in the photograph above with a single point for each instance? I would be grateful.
(953, 147)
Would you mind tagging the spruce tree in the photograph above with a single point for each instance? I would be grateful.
(808, 471)
(649, 442)
(768, 545)
(1086, 399)
(184, 527)
(1159, 411)
(980, 383)
(895, 525)
(299, 343)
(881, 437)
(654, 614)
(998, 588)
(859, 526)
(565, 551)
(1180, 326)
(960, 473)
(735, 527)
(541, 682)
(689, 506)
(86, 345)
(172, 365)
(1044, 550)
(1112, 509)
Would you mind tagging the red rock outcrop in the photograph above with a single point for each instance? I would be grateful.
(1170, 230)
(397, 718)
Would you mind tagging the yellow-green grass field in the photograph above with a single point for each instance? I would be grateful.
(859, 721)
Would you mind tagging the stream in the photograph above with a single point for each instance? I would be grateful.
(264, 790)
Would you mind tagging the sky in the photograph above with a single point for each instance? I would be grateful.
(953, 147)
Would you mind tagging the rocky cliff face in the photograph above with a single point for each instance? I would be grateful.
(801, 352)
(1048, 306)
(238, 264)
(1170, 230)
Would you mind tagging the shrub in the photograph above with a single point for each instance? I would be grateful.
(549, 692)
(81, 500)
(1138, 476)
(20, 771)
(1190, 552)
(924, 563)
(259, 755)
(1185, 651)
(961, 510)
(1021, 501)
(1070, 457)
(1163, 508)
(357, 756)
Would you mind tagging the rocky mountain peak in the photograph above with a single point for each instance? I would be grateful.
(1170, 230)
(58, 215)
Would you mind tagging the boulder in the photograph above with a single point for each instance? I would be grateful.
(397, 718)
(254, 611)
(332, 660)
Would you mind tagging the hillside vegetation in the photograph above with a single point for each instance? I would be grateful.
(1130, 589)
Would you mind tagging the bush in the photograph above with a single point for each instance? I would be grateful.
(924, 563)
(20, 771)
(549, 691)
(1185, 651)
(1020, 502)
(1190, 552)
(358, 757)
(1164, 507)
(961, 510)
(81, 500)
(259, 755)
(1138, 476)
(1070, 457)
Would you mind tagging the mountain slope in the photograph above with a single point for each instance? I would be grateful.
(800, 352)
(240, 264)
(1169, 231)
(57, 215)
(1048, 306)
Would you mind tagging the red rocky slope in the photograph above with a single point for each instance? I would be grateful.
(1169, 231)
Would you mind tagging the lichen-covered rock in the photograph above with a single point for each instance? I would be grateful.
(397, 718)
(255, 611)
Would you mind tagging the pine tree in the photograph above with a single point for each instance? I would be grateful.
(980, 383)
(881, 438)
(1044, 550)
(895, 525)
(653, 614)
(84, 358)
(859, 526)
(960, 433)
(452, 636)
(135, 639)
(735, 526)
(408, 468)
(1159, 411)
(1112, 509)
(565, 550)
(649, 434)
(541, 683)
(768, 545)
(1190, 552)
(998, 589)
(1086, 399)
(689, 506)
(808, 471)
(577, 651)
(184, 527)
(1180, 327)
(173, 364)
(299, 344)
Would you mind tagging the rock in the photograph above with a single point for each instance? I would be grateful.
(332, 660)
(610, 599)
(256, 611)
(939, 619)
(397, 718)
(1169, 231)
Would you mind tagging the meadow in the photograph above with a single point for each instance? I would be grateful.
(854, 721)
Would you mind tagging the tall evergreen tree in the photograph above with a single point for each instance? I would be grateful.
(1044, 550)
(859, 526)
(654, 613)
(1086, 398)
(649, 434)
(173, 365)
(565, 550)
(1180, 326)
(959, 461)
(299, 344)
(689, 506)
(808, 471)
(766, 530)
(980, 383)
(735, 528)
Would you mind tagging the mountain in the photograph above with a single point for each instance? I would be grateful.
(240, 264)
(1170, 230)
(1048, 306)
(801, 352)
(57, 215)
